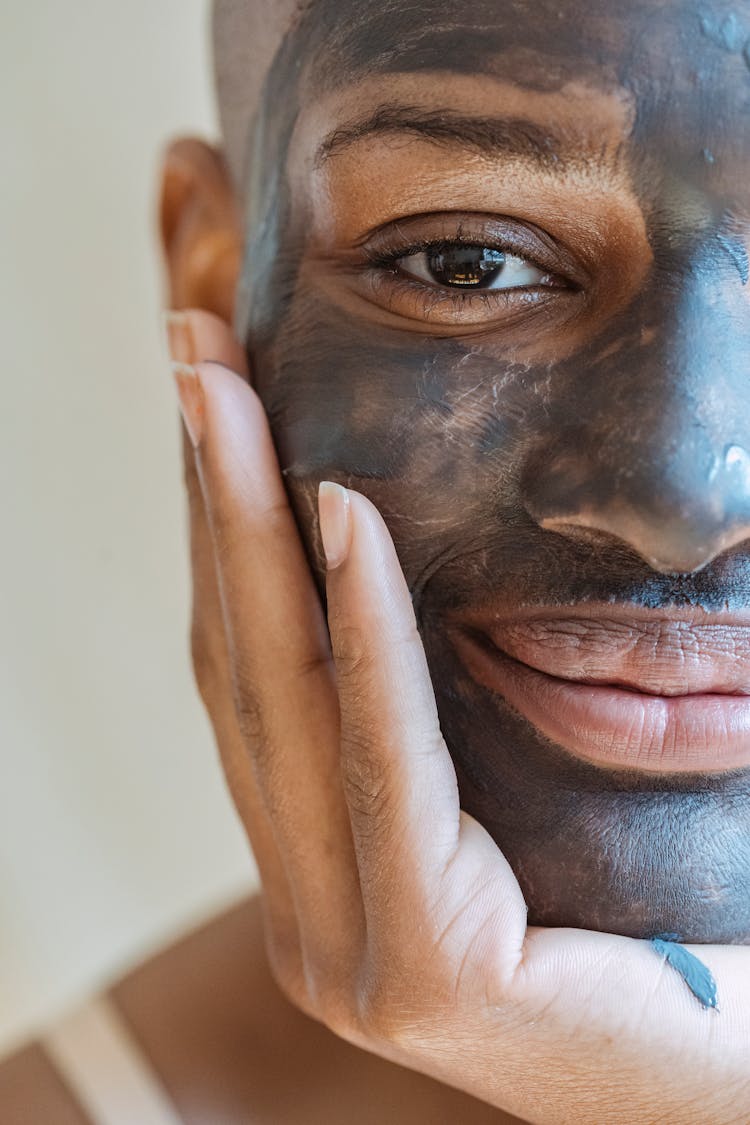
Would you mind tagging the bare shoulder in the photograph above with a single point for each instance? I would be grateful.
(32, 1092)
(229, 1047)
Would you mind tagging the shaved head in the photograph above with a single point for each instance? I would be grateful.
(246, 36)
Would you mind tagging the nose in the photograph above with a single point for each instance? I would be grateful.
(678, 517)
(648, 445)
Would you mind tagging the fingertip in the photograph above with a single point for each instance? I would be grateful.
(371, 535)
(365, 512)
(373, 584)
(237, 444)
(216, 368)
(210, 338)
(334, 517)
(221, 379)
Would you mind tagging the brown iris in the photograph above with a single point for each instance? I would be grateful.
(465, 266)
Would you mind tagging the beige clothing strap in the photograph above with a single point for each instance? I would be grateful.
(106, 1070)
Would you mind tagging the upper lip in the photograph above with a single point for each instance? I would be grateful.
(666, 651)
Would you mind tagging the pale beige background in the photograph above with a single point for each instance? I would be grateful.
(115, 831)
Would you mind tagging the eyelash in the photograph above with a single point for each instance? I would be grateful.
(385, 271)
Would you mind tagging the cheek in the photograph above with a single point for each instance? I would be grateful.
(434, 432)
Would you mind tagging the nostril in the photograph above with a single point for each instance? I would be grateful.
(671, 546)
(677, 511)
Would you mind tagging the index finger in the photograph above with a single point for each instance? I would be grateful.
(399, 779)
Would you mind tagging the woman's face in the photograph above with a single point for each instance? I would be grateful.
(496, 280)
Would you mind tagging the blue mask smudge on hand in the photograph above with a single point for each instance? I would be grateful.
(696, 976)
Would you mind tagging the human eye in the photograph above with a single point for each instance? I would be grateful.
(469, 267)
(464, 269)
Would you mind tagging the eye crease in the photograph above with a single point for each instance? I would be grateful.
(467, 266)
(463, 268)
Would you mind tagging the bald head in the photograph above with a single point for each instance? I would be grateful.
(246, 36)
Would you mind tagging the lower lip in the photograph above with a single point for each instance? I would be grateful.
(621, 729)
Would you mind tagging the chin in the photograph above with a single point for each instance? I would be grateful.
(635, 864)
(622, 873)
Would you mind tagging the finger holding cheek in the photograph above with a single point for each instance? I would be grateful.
(193, 335)
(428, 872)
(280, 665)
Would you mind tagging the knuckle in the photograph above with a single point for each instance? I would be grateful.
(285, 963)
(312, 666)
(334, 1008)
(226, 531)
(367, 784)
(247, 700)
(340, 1019)
(319, 988)
(249, 717)
(387, 1011)
(354, 661)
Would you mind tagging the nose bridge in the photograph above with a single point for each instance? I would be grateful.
(651, 439)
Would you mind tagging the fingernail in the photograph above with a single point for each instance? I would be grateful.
(179, 337)
(192, 402)
(335, 522)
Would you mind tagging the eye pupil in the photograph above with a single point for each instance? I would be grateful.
(465, 266)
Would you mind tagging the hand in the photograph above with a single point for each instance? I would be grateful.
(391, 915)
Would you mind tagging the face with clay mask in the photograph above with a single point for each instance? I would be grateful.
(496, 279)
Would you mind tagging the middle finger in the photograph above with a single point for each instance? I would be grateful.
(280, 654)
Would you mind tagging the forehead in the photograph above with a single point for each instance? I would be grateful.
(684, 67)
(536, 43)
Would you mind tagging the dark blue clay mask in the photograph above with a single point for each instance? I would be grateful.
(496, 280)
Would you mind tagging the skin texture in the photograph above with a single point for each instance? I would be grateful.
(587, 445)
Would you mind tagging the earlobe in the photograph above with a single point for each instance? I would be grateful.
(201, 230)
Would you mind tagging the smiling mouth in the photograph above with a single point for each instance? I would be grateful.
(622, 687)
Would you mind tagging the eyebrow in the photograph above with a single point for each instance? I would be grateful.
(544, 146)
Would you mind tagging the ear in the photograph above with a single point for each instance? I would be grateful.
(201, 229)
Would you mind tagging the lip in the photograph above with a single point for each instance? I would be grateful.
(664, 720)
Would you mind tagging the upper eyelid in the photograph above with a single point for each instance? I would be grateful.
(457, 233)
(420, 246)
(412, 233)
(507, 250)
(518, 235)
